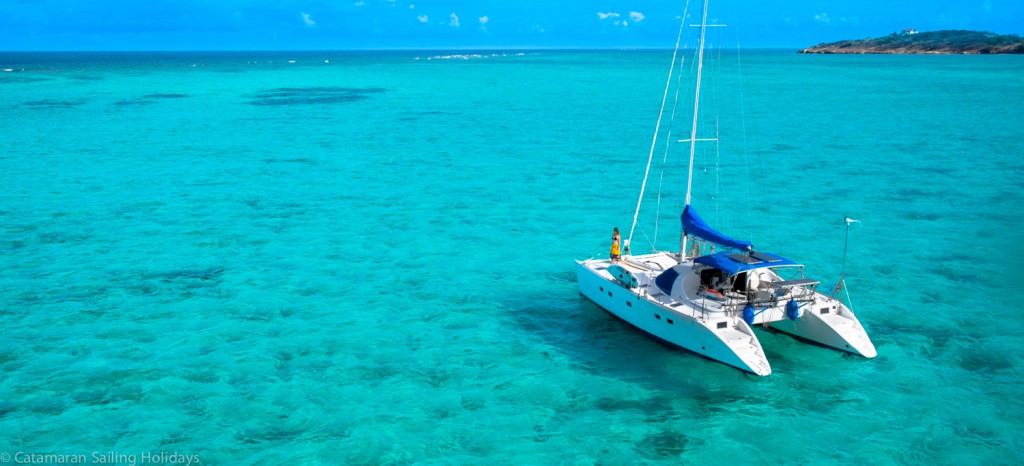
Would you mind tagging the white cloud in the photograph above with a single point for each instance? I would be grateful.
(423, 18)
(411, 6)
(483, 22)
(306, 19)
(454, 20)
(822, 18)
(635, 16)
(360, 3)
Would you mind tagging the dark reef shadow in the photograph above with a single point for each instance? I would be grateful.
(284, 96)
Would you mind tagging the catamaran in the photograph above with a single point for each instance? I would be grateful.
(708, 302)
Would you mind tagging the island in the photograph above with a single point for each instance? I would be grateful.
(934, 42)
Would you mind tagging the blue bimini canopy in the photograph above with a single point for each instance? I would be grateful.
(696, 226)
(733, 263)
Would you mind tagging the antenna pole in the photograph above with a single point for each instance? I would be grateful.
(846, 242)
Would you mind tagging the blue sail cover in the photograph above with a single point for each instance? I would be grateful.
(696, 226)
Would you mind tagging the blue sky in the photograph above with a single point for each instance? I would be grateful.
(405, 24)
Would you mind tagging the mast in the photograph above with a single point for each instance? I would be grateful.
(696, 108)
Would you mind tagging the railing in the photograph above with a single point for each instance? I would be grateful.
(698, 247)
(800, 290)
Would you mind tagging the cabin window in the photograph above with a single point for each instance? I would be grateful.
(609, 294)
(629, 304)
(601, 288)
(739, 285)
(824, 310)
(723, 324)
(670, 322)
(657, 316)
(711, 278)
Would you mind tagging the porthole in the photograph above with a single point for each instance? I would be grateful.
(670, 322)
(629, 304)
(657, 316)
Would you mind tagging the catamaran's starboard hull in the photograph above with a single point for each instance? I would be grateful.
(723, 338)
(832, 324)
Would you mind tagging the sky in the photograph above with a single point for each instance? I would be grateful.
(449, 24)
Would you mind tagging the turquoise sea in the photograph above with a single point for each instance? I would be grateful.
(367, 258)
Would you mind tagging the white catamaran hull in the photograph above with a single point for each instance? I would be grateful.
(831, 325)
(720, 337)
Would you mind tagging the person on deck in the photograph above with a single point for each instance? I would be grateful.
(616, 240)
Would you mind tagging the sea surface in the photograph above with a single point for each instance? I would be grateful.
(368, 257)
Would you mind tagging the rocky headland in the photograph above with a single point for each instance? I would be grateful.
(933, 42)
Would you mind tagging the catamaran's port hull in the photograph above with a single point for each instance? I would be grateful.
(717, 336)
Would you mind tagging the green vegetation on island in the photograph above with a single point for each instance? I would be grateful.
(934, 42)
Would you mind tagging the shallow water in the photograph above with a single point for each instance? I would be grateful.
(368, 257)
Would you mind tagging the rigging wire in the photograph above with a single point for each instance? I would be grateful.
(657, 127)
(668, 144)
(743, 128)
(718, 197)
